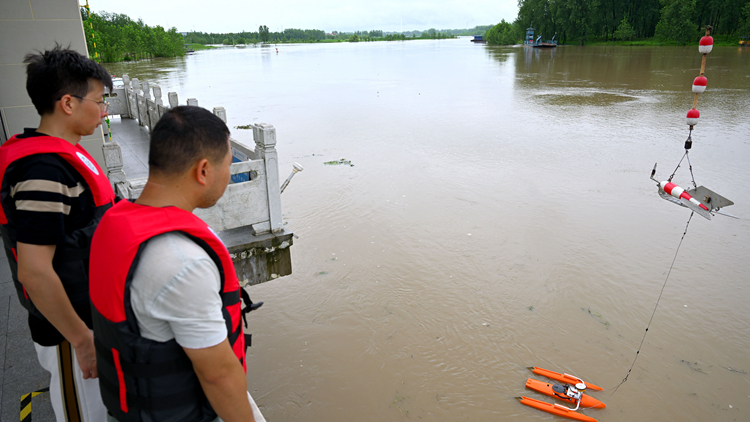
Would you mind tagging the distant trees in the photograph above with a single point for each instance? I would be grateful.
(675, 23)
(263, 33)
(745, 21)
(679, 21)
(624, 31)
(354, 38)
(119, 38)
(502, 34)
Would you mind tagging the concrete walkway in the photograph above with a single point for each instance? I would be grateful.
(134, 141)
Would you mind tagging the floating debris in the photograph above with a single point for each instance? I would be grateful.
(597, 317)
(739, 371)
(340, 162)
(693, 366)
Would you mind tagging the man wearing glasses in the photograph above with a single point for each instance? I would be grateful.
(53, 195)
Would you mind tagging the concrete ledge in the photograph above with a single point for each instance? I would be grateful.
(258, 258)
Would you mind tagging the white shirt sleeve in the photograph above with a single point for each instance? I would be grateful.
(175, 293)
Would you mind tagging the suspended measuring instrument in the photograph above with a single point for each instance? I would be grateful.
(698, 199)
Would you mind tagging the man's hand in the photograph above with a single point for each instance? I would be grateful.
(86, 356)
(45, 289)
(223, 381)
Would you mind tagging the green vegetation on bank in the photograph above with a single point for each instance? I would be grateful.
(198, 47)
(625, 22)
(292, 35)
(118, 38)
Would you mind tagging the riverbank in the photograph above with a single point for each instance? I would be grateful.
(653, 42)
(198, 47)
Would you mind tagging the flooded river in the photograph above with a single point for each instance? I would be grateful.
(498, 214)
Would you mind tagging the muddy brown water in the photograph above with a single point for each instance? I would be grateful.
(498, 215)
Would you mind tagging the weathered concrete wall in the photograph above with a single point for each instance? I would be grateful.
(35, 25)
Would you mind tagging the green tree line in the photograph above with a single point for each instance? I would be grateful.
(292, 35)
(666, 21)
(119, 38)
(262, 35)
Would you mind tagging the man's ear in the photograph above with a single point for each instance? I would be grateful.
(66, 104)
(202, 171)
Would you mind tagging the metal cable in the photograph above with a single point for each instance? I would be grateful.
(656, 306)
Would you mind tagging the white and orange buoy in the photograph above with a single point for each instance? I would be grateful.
(692, 117)
(706, 44)
(699, 84)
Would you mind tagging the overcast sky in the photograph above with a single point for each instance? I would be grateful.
(328, 15)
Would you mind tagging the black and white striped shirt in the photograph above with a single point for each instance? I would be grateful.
(47, 197)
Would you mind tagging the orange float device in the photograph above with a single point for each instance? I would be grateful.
(548, 389)
(570, 379)
(556, 409)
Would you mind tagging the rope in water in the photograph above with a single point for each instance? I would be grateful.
(656, 306)
(96, 57)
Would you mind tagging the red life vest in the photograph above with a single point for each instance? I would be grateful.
(71, 256)
(142, 379)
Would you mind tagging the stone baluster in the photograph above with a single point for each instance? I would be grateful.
(172, 97)
(113, 163)
(192, 102)
(146, 91)
(221, 113)
(131, 106)
(157, 95)
(136, 86)
(265, 143)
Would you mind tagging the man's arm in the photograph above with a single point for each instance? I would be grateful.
(223, 381)
(45, 289)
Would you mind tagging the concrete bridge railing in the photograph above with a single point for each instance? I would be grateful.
(248, 217)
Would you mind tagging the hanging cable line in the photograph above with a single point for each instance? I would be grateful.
(655, 306)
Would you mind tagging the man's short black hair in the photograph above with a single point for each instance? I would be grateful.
(184, 135)
(60, 71)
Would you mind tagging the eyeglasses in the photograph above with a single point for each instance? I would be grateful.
(103, 106)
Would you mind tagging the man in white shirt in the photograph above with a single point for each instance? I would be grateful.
(167, 312)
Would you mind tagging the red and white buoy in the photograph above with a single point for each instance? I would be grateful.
(699, 84)
(706, 44)
(680, 193)
(692, 117)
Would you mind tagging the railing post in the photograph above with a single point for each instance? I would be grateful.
(113, 162)
(136, 86)
(221, 113)
(265, 142)
(146, 91)
(172, 97)
(157, 95)
(192, 102)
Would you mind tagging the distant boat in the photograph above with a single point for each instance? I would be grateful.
(545, 44)
(479, 39)
(529, 40)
